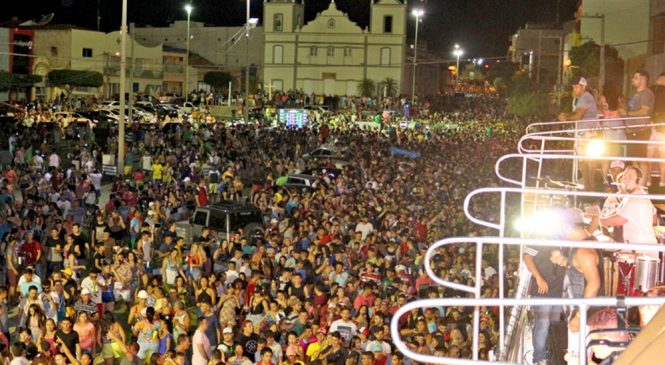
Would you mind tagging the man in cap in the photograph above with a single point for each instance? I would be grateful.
(85, 304)
(584, 108)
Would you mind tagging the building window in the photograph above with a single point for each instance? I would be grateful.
(54, 51)
(87, 52)
(277, 85)
(299, 20)
(331, 24)
(385, 56)
(347, 51)
(313, 51)
(388, 24)
(278, 54)
(277, 22)
(331, 51)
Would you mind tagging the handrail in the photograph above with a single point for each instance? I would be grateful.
(539, 157)
(501, 301)
(554, 123)
(583, 303)
(504, 190)
(548, 136)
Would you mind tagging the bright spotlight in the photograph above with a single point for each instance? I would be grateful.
(544, 223)
(595, 148)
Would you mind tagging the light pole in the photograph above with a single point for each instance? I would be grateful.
(123, 80)
(245, 108)
(457, 52)
(417, 13)
(188, 9)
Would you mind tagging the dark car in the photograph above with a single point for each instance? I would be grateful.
(224, 217)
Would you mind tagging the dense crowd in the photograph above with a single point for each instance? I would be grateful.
(90, 279)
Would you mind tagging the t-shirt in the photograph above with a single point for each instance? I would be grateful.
(346, 329)
(86, 334)
(70, 339)
(553, 274)
(639, 228)
(249, 344)
(640, 98)
(586, 101)
(200, 338)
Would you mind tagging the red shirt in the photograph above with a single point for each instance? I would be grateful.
(203, 196)
(31, 250)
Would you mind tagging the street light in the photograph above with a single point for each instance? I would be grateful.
(417, 13)
(245, 109)
(188, 9)
(457, 52)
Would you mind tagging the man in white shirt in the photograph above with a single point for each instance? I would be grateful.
(95, 284)
(364, 227)
(345, 326)
(54, 160)
(635, 215)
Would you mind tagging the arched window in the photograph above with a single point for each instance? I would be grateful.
(277, 22)
(331, 24)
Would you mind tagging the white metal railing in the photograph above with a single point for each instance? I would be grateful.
(539, 159)
(501, 225)
(556, 136)
(530, 127)
(502, 302)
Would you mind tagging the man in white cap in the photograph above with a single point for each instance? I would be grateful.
(584, 108)
(85, 304)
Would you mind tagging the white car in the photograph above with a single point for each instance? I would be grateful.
(67, 118)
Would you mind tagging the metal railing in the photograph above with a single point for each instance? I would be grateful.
(573, 123)
(501, 302)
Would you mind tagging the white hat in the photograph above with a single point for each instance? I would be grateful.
(142, 294)
(618, 164)
(227, 330)
(85, 291)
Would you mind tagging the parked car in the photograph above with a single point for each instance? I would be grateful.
(224, 217)
(327, 152)
(300, 182)
(67, 118)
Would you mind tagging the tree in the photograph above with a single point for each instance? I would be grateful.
(6, 80)
(217, 79)
(75, 78)
(366, 87)
(584, 59)
(389, 85)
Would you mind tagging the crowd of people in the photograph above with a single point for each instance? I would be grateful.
(109, 280)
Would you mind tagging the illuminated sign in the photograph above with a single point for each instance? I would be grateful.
(293, 118)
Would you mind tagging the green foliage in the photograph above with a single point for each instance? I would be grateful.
(504, 70)
(533, 104)
(500, 85)
(366, 87)
(585, 59)
(6, 80)
(217, 79)
(520, 84)
(75, 78)
(26, 80)
(390, 86)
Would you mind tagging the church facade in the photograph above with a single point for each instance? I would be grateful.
(332, 55)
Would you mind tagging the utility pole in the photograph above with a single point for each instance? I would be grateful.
(131, 77)
(601, 73)
(246, 106)
(123, 80)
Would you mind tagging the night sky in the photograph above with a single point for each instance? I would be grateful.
(482, 27)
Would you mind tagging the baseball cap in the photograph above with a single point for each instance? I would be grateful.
(227, 330)
(85, 291)
(142, 294)
(579, 80)
(67, 272)
(617, 164)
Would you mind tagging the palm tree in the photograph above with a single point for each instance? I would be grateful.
(366, 87)
(389, 85)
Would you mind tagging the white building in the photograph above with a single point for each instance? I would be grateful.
(331, 55)
(225, 47)
(626, 29)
